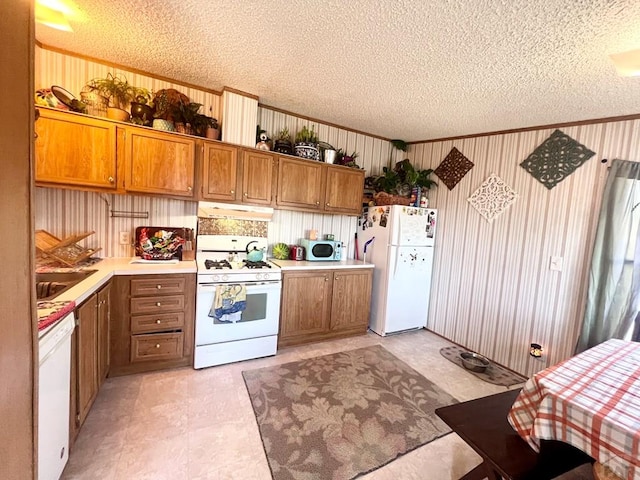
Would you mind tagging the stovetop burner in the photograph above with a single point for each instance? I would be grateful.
(219, 264)
(259, 264)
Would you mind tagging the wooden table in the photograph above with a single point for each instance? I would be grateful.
(482, 423)
(591, 401)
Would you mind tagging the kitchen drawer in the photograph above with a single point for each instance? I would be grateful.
(160, 286)
(157, 304)
(154, 323)
(156, 346)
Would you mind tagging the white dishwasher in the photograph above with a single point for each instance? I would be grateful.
(53, 399)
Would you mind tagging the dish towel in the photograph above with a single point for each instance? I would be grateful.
(229, 302)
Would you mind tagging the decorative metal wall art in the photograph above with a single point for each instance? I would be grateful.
(453, 168)
(493, 197)
(556, 158)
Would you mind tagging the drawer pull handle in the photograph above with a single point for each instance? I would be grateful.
(158, 287)
(157, 345)
(158, 321)
(158, 304)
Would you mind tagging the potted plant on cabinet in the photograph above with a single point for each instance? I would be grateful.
(396, 184)
(118, 93)
(282, 143)
(141, 111)
(167, 103)
(307, 144)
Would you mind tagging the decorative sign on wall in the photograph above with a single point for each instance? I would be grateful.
(454, 166)
(556, 158)
(493, 197)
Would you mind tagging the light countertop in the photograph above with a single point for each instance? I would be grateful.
(305, 265)
(108, 267)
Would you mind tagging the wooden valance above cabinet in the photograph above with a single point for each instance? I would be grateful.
(88, 153)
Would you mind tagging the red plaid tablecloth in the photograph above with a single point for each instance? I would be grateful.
(591, 401)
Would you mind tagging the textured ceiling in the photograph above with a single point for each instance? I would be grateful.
(404, 69)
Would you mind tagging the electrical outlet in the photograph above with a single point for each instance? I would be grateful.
(555, 264)
(125, 238)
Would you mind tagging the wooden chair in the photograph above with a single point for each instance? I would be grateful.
(482, 423)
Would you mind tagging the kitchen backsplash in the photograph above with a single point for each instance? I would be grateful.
(227, 226)
(67, 212)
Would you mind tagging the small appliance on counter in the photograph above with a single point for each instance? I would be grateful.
(322, 250)
(296, 252)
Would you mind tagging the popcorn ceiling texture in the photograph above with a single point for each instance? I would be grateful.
(397, 68)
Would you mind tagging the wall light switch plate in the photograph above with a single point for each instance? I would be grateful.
(125, 238)
(555, 264)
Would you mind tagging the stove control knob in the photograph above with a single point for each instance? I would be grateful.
(215, 278)
(266, 276)
(225, 278)
(258, 276)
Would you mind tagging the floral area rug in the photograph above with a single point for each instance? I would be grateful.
(341, 415)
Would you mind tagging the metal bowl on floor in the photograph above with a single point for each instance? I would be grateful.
(474, 362)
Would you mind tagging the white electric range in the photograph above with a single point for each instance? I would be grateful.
(237, 302)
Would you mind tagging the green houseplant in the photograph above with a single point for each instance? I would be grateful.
(401, 179)
(306, 145)
(141, 111)
(118, 92)
(282, 143)
(167, 103)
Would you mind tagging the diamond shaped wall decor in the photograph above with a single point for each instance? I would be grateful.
(556, 158)
(453, 168)
(492, 197)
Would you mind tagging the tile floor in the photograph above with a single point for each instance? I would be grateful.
(199, 424)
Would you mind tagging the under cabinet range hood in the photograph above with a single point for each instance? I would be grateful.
(233, 211)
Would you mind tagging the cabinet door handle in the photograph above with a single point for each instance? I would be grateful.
(189, 188)
(317, 202)
(157, 345)
(328, 205)
(232, 192)
(337, 278)
(326, 279)
(158, 304)
(111, 179)
(158, 287)
(158, 321)
(246, 194)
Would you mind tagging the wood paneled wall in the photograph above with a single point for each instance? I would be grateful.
(492, 289)
(18, 342)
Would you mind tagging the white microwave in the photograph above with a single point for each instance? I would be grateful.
(322, 250)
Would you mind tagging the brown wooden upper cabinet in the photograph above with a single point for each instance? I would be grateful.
(309, 185)
(75, 150)
(219, 172)
(258, 177)
(233, 174)
(158, 162)
(344, 190)
(300, 184)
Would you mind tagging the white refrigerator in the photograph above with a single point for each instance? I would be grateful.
(399, 241)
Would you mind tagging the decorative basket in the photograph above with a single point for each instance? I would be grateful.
(307, 150)
(384, 198)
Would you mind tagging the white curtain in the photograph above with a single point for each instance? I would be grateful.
(613, 299)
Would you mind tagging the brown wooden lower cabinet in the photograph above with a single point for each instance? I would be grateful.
(323, 304)
(89, 356)
(153, 321)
